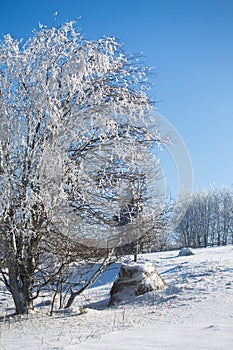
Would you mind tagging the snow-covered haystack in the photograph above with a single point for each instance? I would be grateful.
(186, 251)
(135, 279)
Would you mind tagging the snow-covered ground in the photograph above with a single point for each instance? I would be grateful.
(194, 312)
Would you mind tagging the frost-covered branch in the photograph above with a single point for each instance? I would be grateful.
(77, 148)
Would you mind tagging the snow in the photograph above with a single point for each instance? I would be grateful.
(195, 311)
(186, 251)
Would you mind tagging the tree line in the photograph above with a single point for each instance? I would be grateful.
(208, 220)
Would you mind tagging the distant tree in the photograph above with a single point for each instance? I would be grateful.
(76, 142)
(222, 216)
(208, 220)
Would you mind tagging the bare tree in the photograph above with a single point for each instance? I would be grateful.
(208, 220)
(76, 141)
(222, 216)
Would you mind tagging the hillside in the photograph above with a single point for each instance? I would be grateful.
(194, 312)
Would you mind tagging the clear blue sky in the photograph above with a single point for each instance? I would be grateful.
(190, 44)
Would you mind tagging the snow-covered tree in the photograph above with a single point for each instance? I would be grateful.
(77, 146)
(208, 219)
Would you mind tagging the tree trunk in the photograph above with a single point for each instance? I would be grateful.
(136, 249)
(20, 289)
(20, 283)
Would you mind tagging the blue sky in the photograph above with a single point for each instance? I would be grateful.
(189, 44)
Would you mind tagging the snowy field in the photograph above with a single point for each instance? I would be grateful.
(194, 312)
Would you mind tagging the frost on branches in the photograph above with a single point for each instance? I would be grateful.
(77, 156)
